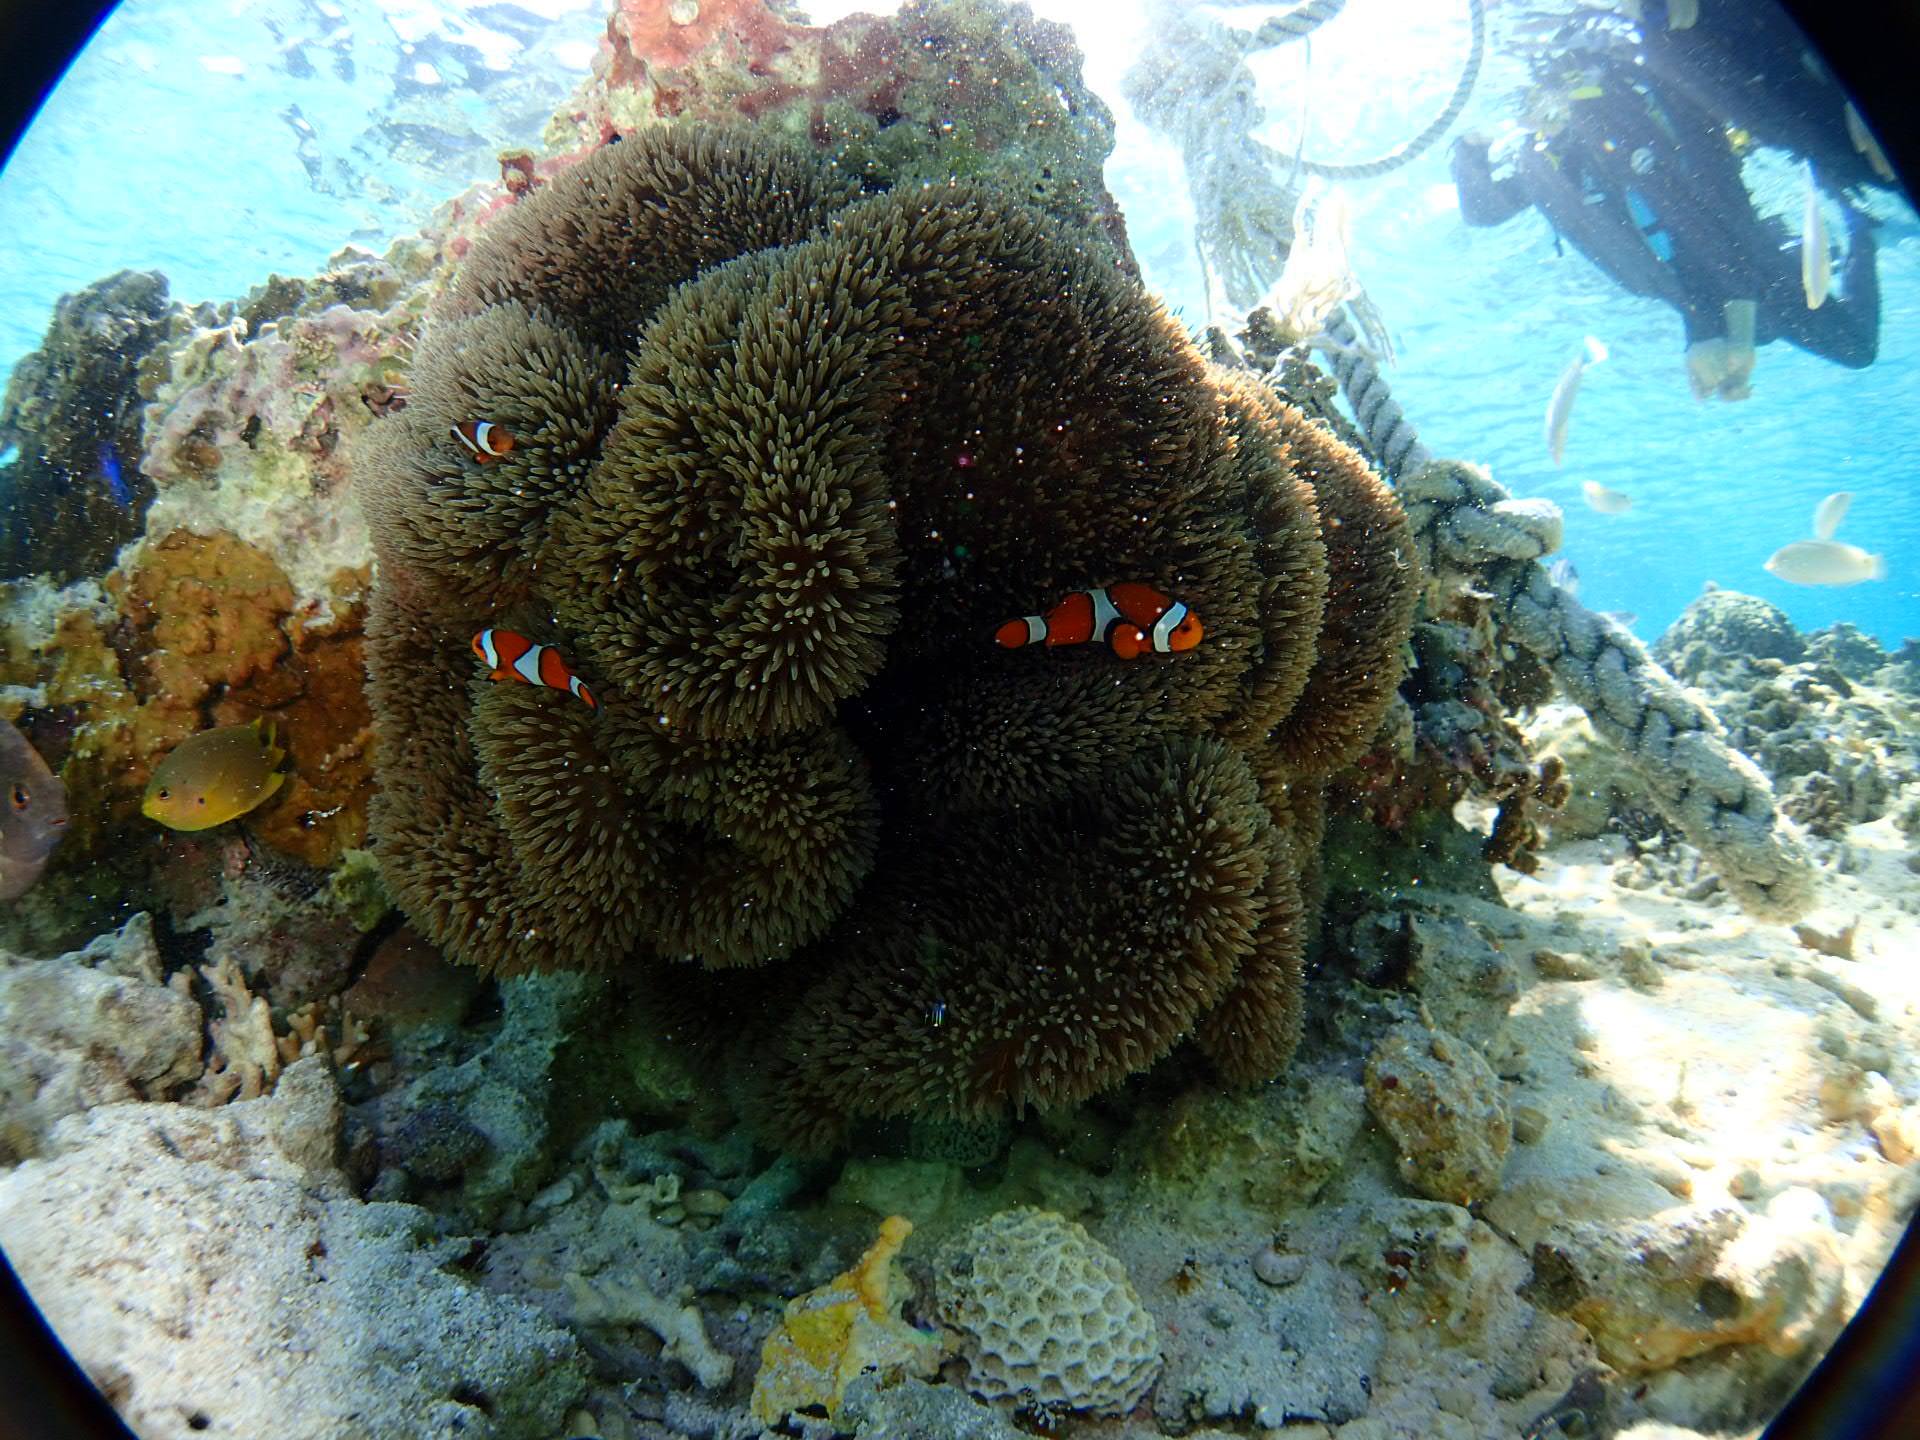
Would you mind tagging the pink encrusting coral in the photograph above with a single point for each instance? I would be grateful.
(943, 89)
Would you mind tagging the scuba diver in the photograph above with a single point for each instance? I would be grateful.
(1635, 158)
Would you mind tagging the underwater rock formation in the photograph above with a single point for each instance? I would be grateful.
(87, 1029)
(775, 536)
(1821, 714)
(74, 493)
(1725, 625)
(1697, 1278)
(849, 1327)
(263, 1287)
(1440, 1104)
(196, 631)
(473, 1134)
(243, 598)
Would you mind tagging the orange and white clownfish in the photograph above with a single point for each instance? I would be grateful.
(483, 439)
(1131, 618)
(512, 656)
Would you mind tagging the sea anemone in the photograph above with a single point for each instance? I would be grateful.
(817, 804)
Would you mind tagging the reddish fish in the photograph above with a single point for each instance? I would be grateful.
(1130, 618)
(483, 439)
(511, 656)
(33, 813)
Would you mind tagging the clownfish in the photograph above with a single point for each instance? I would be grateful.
(484, 440)
(511, 656)
(1131, 618)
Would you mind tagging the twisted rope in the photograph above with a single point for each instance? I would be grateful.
(1419, 144)
(1296, 24)
(1392, 439)
(1468, 526)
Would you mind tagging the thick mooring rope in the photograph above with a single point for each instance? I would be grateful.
(1419, 144)
(1470, 528)
(1296, 24)
(1193, 85)
(1394, 443)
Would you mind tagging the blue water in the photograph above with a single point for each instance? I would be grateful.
(1484, 321)
(222, 142)
(152, 154)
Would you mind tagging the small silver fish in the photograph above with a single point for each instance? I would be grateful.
(1607, 502)
(1828, 514)
(1625, 619)
(1560, 407)
(1825, 562)
(1864, 142)
(1816, 264)
(33, 813)
(1564, 576)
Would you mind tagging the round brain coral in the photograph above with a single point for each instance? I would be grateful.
(783, 460)
(1044, 1315)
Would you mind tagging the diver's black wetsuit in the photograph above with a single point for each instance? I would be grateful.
(1645, 182)
(1750, 64)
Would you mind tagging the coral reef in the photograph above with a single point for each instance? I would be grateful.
(1233, 1340)
(1723, 624)
(1699, 1279)
(1476, 540)
(1272, 1150)
(284, 931)
(682, 1333)
(1851, 651)
(1440, 1105)
(777, 577)
(1816, 713)
(794, 429)
(1822, 716)
(469, 1133)
(913, 1407)
(199, 630)
(943, 90)
(248, 428)
(1600, 786)
(241, 599)
(1045, 1315)
(71, 421)
(88, 1029)
(235, 1226)
(1458, 739)
(847, 1328)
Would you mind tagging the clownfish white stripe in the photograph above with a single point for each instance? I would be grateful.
(509, 655)
(1128, 617)
(529, 665)
(485, 441)
(1105, 612)
(1164, 626)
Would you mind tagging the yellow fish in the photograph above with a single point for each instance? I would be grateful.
(209, 778)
